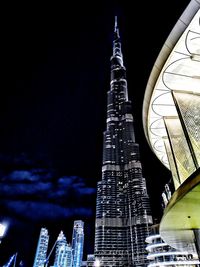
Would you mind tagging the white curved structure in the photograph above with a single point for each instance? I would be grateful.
(175, 78)
(171, 120)
(161, 254)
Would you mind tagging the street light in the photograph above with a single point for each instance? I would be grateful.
(97, 263)
(3, 228)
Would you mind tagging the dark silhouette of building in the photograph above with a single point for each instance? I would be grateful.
(123, 212)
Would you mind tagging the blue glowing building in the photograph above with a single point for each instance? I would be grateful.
(77, 243)
(41, 252)
(63, 256)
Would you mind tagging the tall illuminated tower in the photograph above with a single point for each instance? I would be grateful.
(77, 243)
(41, 252)
(123, 211)
(63, 256)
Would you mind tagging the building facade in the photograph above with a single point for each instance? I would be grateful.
(122, 210)
(41, 252)
(90, 260)
(63, 256)
(171, 123)
(77, 243)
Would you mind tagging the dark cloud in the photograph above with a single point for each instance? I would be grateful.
(38, 195)
(75, 183)
(23, 189)
(23, 175)
(46, 211)
(86, 191)
(32, 175)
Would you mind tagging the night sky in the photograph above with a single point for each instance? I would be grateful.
(54, 78)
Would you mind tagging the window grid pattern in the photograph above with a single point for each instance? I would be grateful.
(123, 212)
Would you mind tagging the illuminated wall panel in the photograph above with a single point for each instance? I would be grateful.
(180, 149)
(189, 104)
(172, 164)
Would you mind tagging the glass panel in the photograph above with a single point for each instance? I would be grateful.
(189, 105)
(182, 155)
(172, 164)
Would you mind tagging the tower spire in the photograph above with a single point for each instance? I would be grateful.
(117, 43)
(116, 29)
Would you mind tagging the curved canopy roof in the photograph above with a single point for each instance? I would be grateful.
(177, 68)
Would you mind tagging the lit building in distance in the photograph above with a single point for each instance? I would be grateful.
(123, 210)
(161, 254)
(84, 264)
(90, 260)
(77, 243)
(41, 252)
(63, 255)
(172, 127)
(12, 261)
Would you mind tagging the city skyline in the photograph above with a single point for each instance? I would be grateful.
(54, 111)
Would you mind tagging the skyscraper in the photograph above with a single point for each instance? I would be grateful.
(63, 256)
(41, 252)
(123, 210)
(77, 243)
